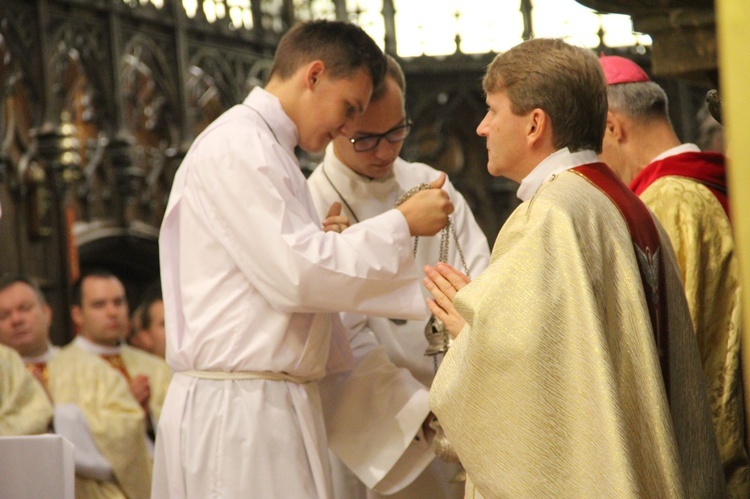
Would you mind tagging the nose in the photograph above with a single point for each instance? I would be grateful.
(346, 128)
(113, 309)
(385, 150)
(482, 128)
(17, 317)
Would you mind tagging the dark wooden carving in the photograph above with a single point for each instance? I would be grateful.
(100, 100)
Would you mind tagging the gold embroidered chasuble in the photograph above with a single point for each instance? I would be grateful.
(115, 420)
(25, 408)
(158, 372)
(553, 388)
(703, 243)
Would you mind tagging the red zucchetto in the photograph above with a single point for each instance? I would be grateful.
(621, 70)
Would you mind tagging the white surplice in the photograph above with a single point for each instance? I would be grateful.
(404, 341)
(249, 281)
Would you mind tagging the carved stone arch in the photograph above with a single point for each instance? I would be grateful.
(131, 254)
(209, 87)
(20, 111)
(258, 74)
(25, 205)
(149, 91)
(81, 88)
(82, 102)
(149, 103)
(17, 41)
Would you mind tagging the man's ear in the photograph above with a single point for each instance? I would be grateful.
(313, 72)
(47, 313)
(537, 126)
(75, 314)
(616, 126)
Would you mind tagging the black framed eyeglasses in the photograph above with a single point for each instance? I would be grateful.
(370, 142)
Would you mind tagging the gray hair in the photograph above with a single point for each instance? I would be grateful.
(642, 101)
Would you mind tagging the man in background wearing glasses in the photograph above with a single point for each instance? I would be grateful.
(365, 175)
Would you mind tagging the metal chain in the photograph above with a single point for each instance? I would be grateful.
(445, 233)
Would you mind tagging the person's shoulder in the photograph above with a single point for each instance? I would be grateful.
(70, 353)
(146, 359)
(571, 196)
(567, 188)
(71, 359)
(689, 197)
(316, 175)
(7, 354)
(234, 129)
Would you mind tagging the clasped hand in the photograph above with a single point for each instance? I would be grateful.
(334, 220)
(443, 282)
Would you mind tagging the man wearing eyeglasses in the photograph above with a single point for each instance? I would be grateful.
(363, 172)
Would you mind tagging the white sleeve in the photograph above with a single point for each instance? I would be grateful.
(70, 423)
(373, 414)
(265, 218)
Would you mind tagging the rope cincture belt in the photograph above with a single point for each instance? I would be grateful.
(239, 375)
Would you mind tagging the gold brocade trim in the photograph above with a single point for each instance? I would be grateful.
(40, 371)
(115, 360)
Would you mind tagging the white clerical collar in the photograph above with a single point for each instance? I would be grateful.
(268, 106)
(95, 348)
(349, 182)
(681, 149)
(339, 166)
(45, 357)
(555, 163)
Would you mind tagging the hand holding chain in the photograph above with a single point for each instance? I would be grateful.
(438, 337)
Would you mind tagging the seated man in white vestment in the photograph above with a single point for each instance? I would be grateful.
(252, 285)
(24, 407)
(100, 312)
(93, 407)
(365, 173)
(575, 371)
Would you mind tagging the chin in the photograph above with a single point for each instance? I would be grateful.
(316, 146)
(378, 173)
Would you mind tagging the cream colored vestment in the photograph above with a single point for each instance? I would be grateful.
(24, 407)
(114, 418)
(554, 389)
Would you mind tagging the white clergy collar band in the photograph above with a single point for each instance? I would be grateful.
(45, 357)
(555, 163)
(269, 108)
(682, 148)
(90, 346)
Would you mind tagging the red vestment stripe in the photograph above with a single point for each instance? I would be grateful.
(707, 168)
(645, 238)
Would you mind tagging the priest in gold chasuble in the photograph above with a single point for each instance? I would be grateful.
(575, 371)
(686, 189)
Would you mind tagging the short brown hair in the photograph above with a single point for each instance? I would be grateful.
(393, 71)
(564, 81)
(9, 279)
(343, 47)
